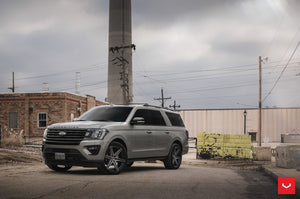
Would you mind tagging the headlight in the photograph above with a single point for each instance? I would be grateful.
(45, 133)
(96, 134)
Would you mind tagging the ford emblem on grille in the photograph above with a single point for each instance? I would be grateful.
(62, 133)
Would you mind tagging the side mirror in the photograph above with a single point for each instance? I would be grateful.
(75, 119)
(137, 120)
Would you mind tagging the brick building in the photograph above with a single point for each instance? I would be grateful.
(30, 113)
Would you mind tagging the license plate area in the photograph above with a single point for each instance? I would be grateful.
(60, 156)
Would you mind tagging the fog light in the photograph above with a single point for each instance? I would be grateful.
(94, 150)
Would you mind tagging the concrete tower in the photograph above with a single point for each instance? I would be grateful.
(119, 86)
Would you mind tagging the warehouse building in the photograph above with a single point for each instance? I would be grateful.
(30, 113)
(276, 122)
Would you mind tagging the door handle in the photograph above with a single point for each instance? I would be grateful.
(148, 132)
(167, 132)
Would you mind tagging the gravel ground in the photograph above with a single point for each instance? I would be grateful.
(21, 155)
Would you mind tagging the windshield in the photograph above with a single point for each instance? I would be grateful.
(111, 114)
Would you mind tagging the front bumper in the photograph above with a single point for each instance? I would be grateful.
(74, 155)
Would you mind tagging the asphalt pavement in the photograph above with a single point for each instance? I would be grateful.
(195, 179)
(268, 167)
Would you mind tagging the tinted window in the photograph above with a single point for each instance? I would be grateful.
(113, 114)
(175, 119)
(151, 117)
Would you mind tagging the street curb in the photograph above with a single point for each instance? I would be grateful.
(275, 176)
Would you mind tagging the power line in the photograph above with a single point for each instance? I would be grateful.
(276, 82)
(197, 77)
(86, 69)
(239, 67)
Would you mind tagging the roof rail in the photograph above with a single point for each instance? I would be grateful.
(136, 103)
(152, 105)
(158, 107)
(146, 104)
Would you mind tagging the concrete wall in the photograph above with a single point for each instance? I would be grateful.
(288, 156)
(224, 146)
(275, 121)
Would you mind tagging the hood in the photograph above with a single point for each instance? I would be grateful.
(82, 125)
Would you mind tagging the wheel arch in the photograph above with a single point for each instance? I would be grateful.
(178, 142)
(121, 141)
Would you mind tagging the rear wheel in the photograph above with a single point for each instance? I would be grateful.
(115, 159)
(59, 168)
(174, 158)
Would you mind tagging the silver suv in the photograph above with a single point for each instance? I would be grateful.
(114, 136)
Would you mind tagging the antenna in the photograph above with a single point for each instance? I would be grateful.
(77, 83)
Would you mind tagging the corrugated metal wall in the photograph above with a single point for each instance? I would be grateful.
(275, 122)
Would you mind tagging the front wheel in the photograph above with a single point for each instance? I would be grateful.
(174, 158)
(59, 168)
(115, 159)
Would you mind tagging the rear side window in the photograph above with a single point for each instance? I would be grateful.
(175, 119)
(151, 117)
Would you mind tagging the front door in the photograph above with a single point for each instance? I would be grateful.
(140, 141)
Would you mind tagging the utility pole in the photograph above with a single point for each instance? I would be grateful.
(174, 106)
(13, 83)
(259, 103)
(162, 98)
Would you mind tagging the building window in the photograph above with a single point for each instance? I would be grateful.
(253, 136)
(42, 120)
(13, 120)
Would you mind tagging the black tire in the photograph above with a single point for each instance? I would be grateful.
(59, 168)
(115, 159)
(174, 158)
(129, 163)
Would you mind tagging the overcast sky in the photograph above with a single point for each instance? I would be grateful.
(203, 53)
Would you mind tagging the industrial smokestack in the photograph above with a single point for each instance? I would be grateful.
(119, 86)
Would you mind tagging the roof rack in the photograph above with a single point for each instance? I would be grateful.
(146, 104)
(158, 107)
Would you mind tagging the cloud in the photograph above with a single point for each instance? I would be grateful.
(182, 46)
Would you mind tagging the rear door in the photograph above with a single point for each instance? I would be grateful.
(161, 134)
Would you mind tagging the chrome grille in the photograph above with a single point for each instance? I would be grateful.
(69, 137)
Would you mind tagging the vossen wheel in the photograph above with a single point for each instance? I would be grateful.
(174, 158)
(59, 168)
(115, 159)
